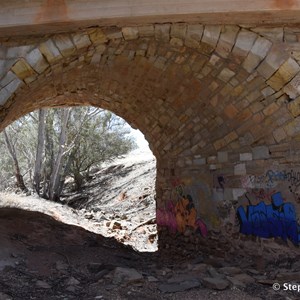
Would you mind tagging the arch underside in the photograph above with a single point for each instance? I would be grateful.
(205, 97)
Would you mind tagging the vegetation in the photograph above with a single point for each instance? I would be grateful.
(49, 145)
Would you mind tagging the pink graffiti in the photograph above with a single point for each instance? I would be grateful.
(167, 217)
(202, 227)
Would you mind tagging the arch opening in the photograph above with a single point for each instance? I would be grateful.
(102, 173)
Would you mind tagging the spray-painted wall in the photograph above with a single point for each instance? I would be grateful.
(253, 193)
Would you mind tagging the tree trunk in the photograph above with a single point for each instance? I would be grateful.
(12, 152)
(39, 151)
(78, 179)
(49, 154)
(57, 174)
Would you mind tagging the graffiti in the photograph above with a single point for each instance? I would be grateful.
(271, 179)
(262, 194)
(221, 182)
(166, 217)
(253, 181)
(182, 214)
(292, 177)
(277, 219)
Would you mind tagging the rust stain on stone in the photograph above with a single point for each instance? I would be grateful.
(285, 4)
(53, 10)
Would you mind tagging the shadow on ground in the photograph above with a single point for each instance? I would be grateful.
(42, 258)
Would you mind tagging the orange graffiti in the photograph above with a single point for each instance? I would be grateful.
(186, 214)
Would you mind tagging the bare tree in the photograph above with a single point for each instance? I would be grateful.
(57, 173)
(56, 143)
(13, 154)
(39, 151)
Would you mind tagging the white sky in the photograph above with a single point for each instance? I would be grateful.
(140, 140)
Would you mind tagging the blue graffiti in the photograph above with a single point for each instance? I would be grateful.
(274, 220)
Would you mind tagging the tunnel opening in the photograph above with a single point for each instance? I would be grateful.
(106, 172)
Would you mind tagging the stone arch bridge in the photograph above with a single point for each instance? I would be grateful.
(214, 88)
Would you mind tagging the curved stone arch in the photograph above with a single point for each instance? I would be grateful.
(216, 46)
(193, 90)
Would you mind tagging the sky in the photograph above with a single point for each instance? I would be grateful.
(140, 140)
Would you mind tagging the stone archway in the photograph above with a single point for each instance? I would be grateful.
(218, 105)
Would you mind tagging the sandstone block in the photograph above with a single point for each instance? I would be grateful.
(199, 161)
(65, 45)
(256, 107)
(261, 152)
(97, 36)
(254, 96)
(271, 109)
(230, 111)
(176, 42)
(219, 144)
(240, 169)
(293, 127)
(4, 95)
(146, 31)
(275, 58)
(193, 35)
(50, 51)
(14, 85)
(162, 32)
(22, 69)
(231, 137)
(160, 62)
(257, 54)
(293, 87)
(294, 107)
(130, 33)
(279, 135)
(246, 156)
(113, 33)
(81, 40)
(16, 52)
(268, 91)
(244, 43)
(222, 157)
(275, 33)
(227, 40)
(178, 30)
(284, 74)
(37, 61)
(226, 74)
(211, 35)
(9, 77)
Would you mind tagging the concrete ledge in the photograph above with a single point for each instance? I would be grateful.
(19, 18)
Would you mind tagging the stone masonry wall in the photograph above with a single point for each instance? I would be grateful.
(219, 106)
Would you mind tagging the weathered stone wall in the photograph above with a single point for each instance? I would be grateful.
(219, 106)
